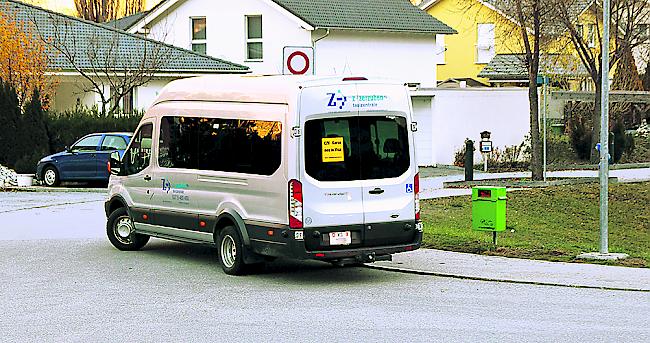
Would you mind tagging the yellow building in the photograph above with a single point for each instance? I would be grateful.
(67, 6)
(489, 37)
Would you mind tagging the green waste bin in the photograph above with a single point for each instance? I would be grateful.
(489, 209)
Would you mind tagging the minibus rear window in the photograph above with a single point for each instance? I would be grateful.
(356, 148)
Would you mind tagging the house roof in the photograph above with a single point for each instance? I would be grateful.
(100, 47)
(510, 67)
(384, 15)
(126, 22)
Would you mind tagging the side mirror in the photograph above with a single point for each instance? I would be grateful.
(115, 163)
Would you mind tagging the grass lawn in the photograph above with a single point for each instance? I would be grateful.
(553, 223)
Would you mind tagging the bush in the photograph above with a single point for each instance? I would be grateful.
(9, 118)
(67, 127)
(24, 139)
(578, 123)
(622, 142)
(32, 141)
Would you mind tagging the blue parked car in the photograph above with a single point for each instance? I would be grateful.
(86, 160)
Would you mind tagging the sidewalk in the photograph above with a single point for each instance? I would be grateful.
(432, 187)
(504, 269)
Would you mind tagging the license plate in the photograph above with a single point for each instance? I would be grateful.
(340, 238)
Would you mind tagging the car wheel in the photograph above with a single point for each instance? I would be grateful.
(121, 233)
(51, 177)
(231, 251)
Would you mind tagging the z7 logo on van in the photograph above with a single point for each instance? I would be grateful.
(337, 100)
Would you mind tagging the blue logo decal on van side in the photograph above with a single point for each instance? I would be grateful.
(337, 100)
(409, 188)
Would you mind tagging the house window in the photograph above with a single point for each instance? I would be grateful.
(643, 32)
(581, 30)
(127, 102)
(254, 49)
(591, 35)
(199, 43)
(485, 43)
(440, 49)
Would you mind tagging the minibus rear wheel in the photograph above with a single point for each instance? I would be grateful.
(231, 251)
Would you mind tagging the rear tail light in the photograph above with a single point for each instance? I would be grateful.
(108, 166)
(295, 204)
(416, 194)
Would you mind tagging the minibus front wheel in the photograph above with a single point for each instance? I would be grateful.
(121, 231)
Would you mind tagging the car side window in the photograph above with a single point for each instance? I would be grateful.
(138, 156)
(113, 143)
(87, 144)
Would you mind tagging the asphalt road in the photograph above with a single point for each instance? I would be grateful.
(63, 281)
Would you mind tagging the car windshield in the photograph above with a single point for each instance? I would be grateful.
(356, 148)
(87, 144)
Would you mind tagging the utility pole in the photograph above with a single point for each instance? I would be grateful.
(603, 170)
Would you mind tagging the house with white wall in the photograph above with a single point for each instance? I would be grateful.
(386, 38)
(83, 54)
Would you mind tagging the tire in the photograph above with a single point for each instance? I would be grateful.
(119, 229)
(230, 249)
(51, 176)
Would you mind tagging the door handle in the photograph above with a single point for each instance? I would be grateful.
(377, 190)
(147, 178)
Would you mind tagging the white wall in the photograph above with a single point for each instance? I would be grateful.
(423, 136)
(226, 30)
(70, 88)
(464, 113)
(146, 94)
(403, 57)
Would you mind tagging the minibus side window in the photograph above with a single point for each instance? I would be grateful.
(240, 146)
(219, 144)
(177, 145)
(138, 156)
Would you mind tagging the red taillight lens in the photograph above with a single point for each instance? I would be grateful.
(416, 194)
(295, 204)
(355, 78)
(108, 166)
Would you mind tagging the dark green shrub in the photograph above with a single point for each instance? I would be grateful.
(9, 116)
(31, 142)
(623, 142)
(578, 124)
(65, 128)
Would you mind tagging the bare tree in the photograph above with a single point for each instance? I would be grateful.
(533, 18)
(106, 59)
(626, 19)
(535, 30)
(101, 11)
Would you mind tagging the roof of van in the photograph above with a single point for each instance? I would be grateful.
(275, 89)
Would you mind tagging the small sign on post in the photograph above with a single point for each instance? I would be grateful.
(485, 147)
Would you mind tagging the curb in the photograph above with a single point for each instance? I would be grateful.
(42, 189)
(525, 183)
(521, 282)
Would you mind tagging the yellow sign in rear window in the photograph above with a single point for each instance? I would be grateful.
(333, 149)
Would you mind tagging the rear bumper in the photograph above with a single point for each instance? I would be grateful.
(291, 247)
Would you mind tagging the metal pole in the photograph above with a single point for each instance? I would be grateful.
(604, 129)
(544, 112)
